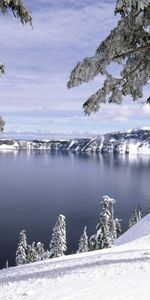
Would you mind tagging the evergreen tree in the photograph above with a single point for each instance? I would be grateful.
(92, 242)
(148, 211)
(58, 242)
(113, 222)
(106, 228)
(32, 254)
(40, 251)
(83, 242)
(46, 255)
(21, 253)
(135, 217)
(118, 227)
(127, 45)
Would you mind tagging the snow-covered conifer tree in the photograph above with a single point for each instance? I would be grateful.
(83, 242)
(32, 254)
(127, 45)
(131, 222)
(103, 237)
(118, 227)
(113, 222)
(135, 217)
(46, 254)
(21, 253)
(147, 211)
(92, 242)
(58, 242)
(40, 251)
(106, 229)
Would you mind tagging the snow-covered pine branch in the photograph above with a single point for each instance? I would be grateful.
(18, 9)
(128, 45)
(2, 123)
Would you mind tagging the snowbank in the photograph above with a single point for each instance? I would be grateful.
(119, 273)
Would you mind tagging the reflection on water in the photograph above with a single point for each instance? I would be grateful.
(38, 185)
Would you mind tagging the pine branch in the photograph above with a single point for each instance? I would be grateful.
(130, 51)
(18, 9)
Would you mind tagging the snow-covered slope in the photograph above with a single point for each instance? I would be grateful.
(133, 141)
(119, 273)
(138, 234)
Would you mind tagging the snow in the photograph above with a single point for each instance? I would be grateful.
(118, 273)
(144, 149)
(139, 233)
(132, 148)
(7, 147)
(145, 128)
(71, 143)
(137, 141)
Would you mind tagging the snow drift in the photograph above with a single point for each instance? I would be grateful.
(117, 273)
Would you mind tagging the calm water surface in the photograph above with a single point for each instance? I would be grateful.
(37, 186)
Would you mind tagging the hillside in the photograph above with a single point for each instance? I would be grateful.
(135, 141)
(120, 273)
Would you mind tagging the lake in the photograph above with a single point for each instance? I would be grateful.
(36, 186)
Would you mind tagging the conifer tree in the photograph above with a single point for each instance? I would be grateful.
(32, 254)
(135, 217)
(92, 242)
(113, 222)
(127, 45)
(58, 242)
(40, 251)
(21, 253)
(118, 227)
(103, 239)
(83, 242)
(106, 229)
(46, 254)
(148, 211)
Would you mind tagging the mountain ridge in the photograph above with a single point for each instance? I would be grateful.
(135, 141)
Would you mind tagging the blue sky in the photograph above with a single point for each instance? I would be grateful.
(38, 61)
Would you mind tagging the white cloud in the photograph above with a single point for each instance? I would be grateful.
(51, 26)
(38, 63)
(146, 110)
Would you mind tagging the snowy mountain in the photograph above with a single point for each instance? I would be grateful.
(131, 141)
(121, 272)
